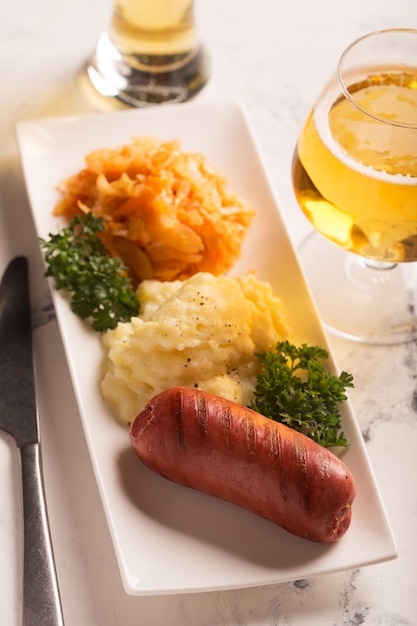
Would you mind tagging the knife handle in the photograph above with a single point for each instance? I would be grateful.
(41, 600)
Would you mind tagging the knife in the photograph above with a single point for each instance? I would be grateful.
(19, 418)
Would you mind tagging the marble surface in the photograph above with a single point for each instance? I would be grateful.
(274, 57)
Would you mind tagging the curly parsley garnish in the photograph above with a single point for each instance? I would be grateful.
(99, 288)
(308, 402)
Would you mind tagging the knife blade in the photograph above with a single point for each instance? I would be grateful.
(19, 417)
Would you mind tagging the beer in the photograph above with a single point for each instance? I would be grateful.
(355, 167)
(157, 34)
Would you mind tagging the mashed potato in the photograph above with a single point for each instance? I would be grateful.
(201, 332)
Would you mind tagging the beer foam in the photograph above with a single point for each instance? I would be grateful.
(320, 119)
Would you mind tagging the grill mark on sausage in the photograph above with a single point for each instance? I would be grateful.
(201, 409)
(179, 419)
(226, 425)
(250, 437)
(302, 468)
(324, 465)
(275, 441)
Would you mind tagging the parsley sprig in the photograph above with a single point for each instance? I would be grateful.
(294, 388)
(99, 288)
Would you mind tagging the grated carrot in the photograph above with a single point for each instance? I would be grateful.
(168, 213)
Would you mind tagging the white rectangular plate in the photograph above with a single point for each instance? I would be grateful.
(170, 539)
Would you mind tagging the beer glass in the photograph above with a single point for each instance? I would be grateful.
(355, 178)
(151, 53)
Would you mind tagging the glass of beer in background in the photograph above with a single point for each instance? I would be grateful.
(151, 53)
(355, 178)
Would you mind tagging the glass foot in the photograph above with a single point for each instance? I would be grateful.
(371, 304)
(115, 75)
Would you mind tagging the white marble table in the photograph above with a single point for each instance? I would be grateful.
(274, 57)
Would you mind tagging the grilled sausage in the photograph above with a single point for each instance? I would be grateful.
(221, 448)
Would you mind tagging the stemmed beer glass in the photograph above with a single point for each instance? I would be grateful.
(151, 53)
(355, 178)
